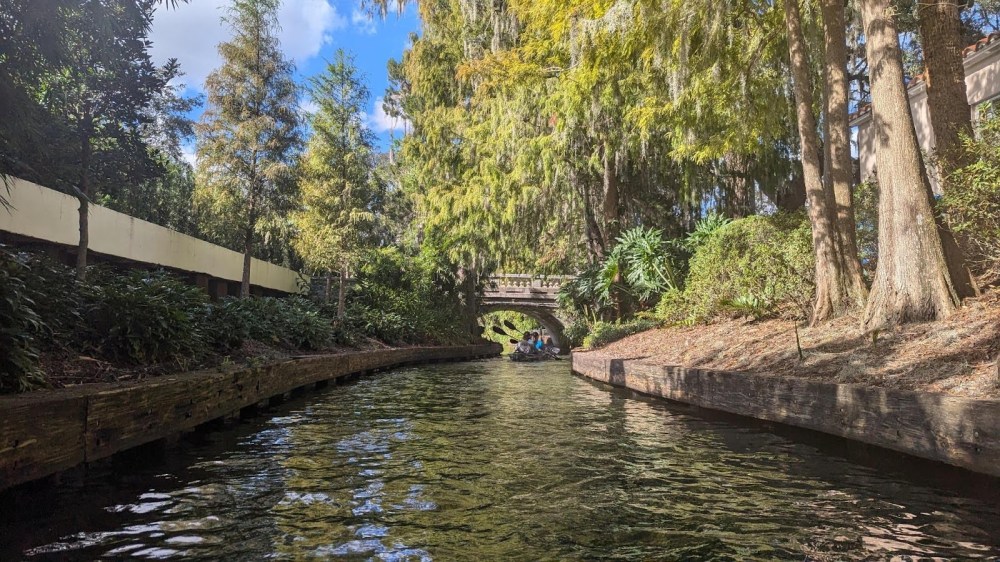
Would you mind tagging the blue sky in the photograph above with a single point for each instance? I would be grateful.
(311, 30)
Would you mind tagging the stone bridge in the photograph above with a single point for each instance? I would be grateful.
(531, 295)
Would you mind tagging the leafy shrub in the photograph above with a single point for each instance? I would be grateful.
(292, 322)
(756, 265)
(704, 229)
(147, 317)
(19, 323)
(641, 266)
(866, 221)
(673, 307)
(57, 299)
(971, 201)
(303, 325)
(603, 333)
(575, 332)
(407, 299)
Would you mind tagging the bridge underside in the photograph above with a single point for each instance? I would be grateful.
(544, 314)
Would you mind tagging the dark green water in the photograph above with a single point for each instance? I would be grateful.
(494, 461)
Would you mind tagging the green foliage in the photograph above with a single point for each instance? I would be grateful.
(248, 135)
(576, 331)
(340, 192)
(866, 220)
(603, 333)
(704, 229)
(293, 322)
(57, 297)
(641, 266)
(146, 317)
(971, 202)
(19, 326)
(757, 266)
(407, 299)
(646, 261)
(522, 323)
(76, 85)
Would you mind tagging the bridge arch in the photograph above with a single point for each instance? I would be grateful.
(531, 295)
(553, 326)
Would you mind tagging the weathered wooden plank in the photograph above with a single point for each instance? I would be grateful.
(41, 434)
(48, 431)
(959, 431)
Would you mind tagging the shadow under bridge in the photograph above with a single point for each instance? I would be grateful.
(531, 295)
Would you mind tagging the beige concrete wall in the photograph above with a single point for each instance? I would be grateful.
(982, 74)
(45, 214)
(866, 148)
(982, 84)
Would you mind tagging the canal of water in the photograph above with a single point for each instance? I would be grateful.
(494, 460)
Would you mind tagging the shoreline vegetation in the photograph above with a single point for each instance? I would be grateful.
(956, 357)
(124, 325)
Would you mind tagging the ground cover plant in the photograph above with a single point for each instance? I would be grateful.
(150, 321)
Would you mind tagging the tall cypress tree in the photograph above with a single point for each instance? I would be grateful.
(249, 134)
(339, 188)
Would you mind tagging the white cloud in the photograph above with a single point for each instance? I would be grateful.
(191, 32)
(188, 154)
(363, 21)
(308, 105)
(381, 122)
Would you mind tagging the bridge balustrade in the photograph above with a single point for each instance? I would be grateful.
(500, 282)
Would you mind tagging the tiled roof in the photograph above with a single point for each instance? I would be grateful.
(916, 80)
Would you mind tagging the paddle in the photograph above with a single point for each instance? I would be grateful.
(510, 325)
(499, 331)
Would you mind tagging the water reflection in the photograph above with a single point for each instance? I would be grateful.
(498, 461)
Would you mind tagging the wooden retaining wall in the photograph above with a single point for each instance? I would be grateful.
(957, 431)
(48, 431)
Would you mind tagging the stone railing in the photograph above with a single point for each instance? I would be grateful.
(502, 281)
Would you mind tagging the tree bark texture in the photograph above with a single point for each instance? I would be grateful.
(610, 204)
(247, 258)
(327, 287)
(951, 117)
(740, 190)
(342, 292)
(911, 280)
(839, 170)
(947, 98)
(830, 293)
(83, 195)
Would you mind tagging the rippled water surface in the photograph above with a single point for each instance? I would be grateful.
(493, 460)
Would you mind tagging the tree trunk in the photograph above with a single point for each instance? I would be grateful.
(830, 293)
(595, 242)
(911, 281)
(342, 293)
(610, 204)
(791, 196)
(740, 190)
(839, 170)
(83, 195)
(951, 116)
(328, 285)
(947, 99)
(247, 257)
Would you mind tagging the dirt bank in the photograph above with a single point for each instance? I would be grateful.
(957, 356)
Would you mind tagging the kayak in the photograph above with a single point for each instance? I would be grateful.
(529, 357)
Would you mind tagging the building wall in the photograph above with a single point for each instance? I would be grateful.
(44, 214)
(982, 82)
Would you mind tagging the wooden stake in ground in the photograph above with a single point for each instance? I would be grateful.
(912, 281)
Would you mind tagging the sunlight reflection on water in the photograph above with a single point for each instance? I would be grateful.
(495, 460)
